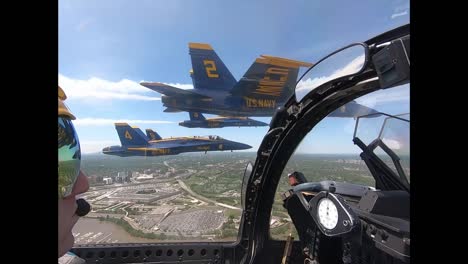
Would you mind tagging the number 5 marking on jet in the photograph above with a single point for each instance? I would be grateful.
(210, 68)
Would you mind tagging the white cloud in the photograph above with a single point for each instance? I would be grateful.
(181, 86)
(393, 144)
(401, 9)
(103, 121)
(107, 90)
(98, 88)
(396, 94)
(177, 85)
(400, 14)
(305, 86)
(92, 146)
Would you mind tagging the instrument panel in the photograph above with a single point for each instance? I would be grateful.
(332, 214)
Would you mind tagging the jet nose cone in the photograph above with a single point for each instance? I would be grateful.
(244, 146)
(260, 123)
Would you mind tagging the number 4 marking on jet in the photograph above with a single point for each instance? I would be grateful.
(127, 135)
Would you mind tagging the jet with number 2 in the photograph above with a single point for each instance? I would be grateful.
(266, 85)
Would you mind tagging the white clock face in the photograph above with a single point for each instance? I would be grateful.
(327, 213)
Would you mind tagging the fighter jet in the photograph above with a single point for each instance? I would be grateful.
(198, 120)
(267, 84)
(136, 143)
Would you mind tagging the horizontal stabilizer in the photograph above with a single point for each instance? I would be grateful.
(171, 90)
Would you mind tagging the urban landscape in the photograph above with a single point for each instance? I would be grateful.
(190, 197)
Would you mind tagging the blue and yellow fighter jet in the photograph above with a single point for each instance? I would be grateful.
(198, 120)
(266, 85)
(136, 143)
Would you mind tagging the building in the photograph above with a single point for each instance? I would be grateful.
(107, 180)
(144, 177)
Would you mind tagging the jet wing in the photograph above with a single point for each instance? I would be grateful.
(353, 109)
(171, 90)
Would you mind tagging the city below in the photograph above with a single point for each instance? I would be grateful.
(189, 197)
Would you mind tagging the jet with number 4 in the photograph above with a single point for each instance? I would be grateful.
(266, 85)
(136, 143)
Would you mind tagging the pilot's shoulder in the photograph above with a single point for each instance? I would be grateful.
(70, 258)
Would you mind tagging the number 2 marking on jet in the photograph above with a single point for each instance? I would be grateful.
(210, 68)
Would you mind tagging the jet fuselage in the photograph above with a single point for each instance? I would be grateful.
(222, 104)
(223, 122)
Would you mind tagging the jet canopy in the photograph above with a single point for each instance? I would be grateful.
(215, 137)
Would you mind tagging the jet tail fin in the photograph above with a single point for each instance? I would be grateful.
(269, 78)
(131, 136)
(196, 116)
(152, 134)
(208, 70)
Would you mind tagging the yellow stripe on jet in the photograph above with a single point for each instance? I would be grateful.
(145, 149)
(142, 149)
(180, 138)
(154, 151)
(202, 46)
(267, 59)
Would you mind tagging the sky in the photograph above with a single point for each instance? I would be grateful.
(107, 47)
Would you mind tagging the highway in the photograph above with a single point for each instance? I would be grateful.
(208, 200)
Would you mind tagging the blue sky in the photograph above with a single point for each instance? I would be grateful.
(107, 47)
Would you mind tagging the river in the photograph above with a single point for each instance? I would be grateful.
(93, 231)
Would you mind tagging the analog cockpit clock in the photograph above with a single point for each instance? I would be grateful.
(327, 213)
